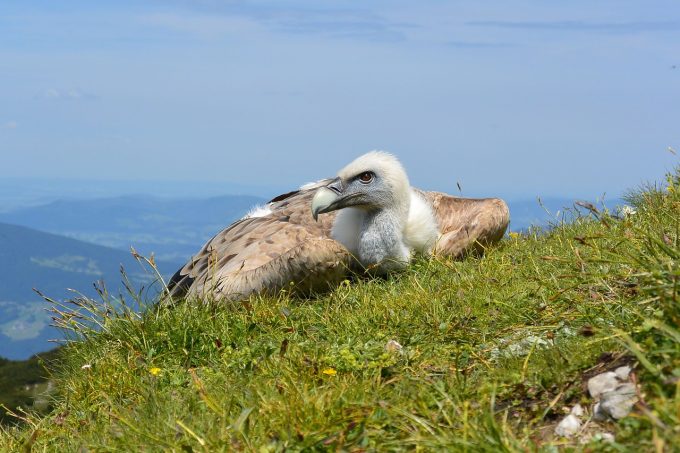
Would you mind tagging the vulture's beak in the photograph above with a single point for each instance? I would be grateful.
(328, 198)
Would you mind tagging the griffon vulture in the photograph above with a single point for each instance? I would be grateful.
(368, 218)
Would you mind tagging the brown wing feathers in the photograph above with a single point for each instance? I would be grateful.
(265, 254)
(467, 223)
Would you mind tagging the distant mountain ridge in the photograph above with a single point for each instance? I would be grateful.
(16, 193)
(51, 263)
(172, 229)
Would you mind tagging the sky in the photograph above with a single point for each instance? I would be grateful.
(506, 98)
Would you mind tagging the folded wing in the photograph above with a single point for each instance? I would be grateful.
(283, 248)
(467, 224)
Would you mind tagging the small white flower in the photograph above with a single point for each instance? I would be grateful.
(627, 211)
(87, 366)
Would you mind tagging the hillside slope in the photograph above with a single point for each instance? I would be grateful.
(51, 263)
(484, 354)
(25, 384)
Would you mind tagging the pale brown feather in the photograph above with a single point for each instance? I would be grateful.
(285, 248)
(467, 224)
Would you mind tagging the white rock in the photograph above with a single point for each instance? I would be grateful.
(622, 372)
(601, 383)
(577, 410)
(393, 346)
(597, 437)
(598, 415)
(619, 402)
(607, 437)
(568, 426)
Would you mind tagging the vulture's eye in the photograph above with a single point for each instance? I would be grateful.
(366, 177)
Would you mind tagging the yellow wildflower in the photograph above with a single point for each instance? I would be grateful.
(155, 371)
(330, 371)
(513, 234)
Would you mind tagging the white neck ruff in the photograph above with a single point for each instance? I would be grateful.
(419, 235)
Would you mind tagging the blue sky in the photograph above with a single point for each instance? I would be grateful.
(514, 99)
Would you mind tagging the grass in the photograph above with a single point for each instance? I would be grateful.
(493, 350)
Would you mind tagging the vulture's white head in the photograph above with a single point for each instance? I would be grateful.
(372, 182)
(379, 212)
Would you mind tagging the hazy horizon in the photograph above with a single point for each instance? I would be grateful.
(18, 192)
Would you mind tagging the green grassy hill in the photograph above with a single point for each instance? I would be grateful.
(491, 352)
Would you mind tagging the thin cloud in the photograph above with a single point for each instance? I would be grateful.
(347, 24)
(477, 44)
(72, 94)
(611, 27)
(10, 125)
(201, 24)
(332, 23)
